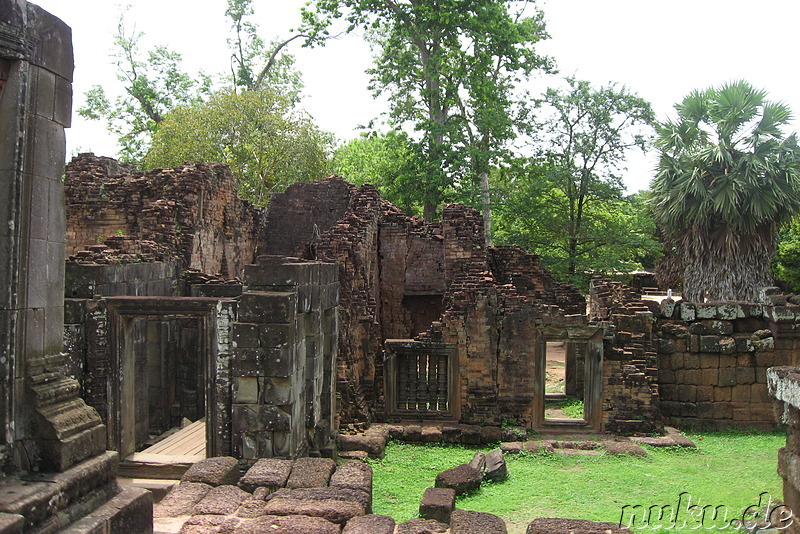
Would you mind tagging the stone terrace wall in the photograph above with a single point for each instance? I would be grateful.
(630, 401)
(191, 210)
(713, 361)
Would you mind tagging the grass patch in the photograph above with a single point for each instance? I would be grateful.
(728, 468)
(571, 406)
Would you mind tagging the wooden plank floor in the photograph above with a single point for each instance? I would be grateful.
(172, 455)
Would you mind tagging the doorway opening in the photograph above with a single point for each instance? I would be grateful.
(568, 378)
(563, 384)
(163, 365)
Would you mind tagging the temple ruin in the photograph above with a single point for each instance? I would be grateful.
(182, 310)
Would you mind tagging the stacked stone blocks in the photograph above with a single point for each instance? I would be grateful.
(284, 355)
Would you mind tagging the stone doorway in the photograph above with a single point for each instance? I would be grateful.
(568, 378)
(162, 359)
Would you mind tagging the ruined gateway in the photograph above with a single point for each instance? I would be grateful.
(180, 302)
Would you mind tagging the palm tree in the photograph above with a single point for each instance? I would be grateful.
(726, 180)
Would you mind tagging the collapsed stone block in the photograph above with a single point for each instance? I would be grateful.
(219, 471)
(222, 500)
(370, 524)
(311, 473)
(496, 469)
(557, 525)
(333, 504)
(462, 478)
(421, 526)
(618, 448)
(269, 473)
(292, 524)
(437, 504)
(372, 445)
(478, 461)
(468, 522)
(181, 499)
(353, 475)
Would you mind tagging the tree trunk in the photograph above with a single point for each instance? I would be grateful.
(487, 208)
(720, 264)
(429, 211)
(572, 253)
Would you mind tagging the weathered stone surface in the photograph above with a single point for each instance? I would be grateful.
(679, 439)
(181, 499)
(373, 445)
(13, 523)
(496, 469)
(219, 471)
(462, 478)
(557, 525)
(467, 522)
(335, 511)
(437, 504)
(311, 473)
(421, 526)
(293, 524)
(618, 448)
(209, 524)
(221, 500)
(370, 524)
(353, 475)
(491, 434)
(324, 494)
(511, 447)
(478, 461)
(252, 507)
(269, 473)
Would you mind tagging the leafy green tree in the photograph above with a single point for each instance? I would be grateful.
(727, 179)
(448, 68)
(532, 207)
(153, 83)
(787, 256)
(583, 136)
(266, 141)
(391, 161)
(255, 65)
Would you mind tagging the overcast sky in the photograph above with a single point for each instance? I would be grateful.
(657, 48)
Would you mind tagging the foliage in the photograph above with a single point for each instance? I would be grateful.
(568, 204)
(787, 256)
(254, 65)
(391, 161)
(589, 487)
(532, 211)
(727, 179)
(154, 84)
(448, 67)
(267, 143)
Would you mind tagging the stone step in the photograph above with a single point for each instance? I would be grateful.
(40, 496)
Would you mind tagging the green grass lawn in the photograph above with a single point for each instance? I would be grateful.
(727, 468)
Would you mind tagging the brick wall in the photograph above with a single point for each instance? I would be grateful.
(191, 212)
(630, 392)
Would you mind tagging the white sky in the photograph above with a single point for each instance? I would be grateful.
(660, 49)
